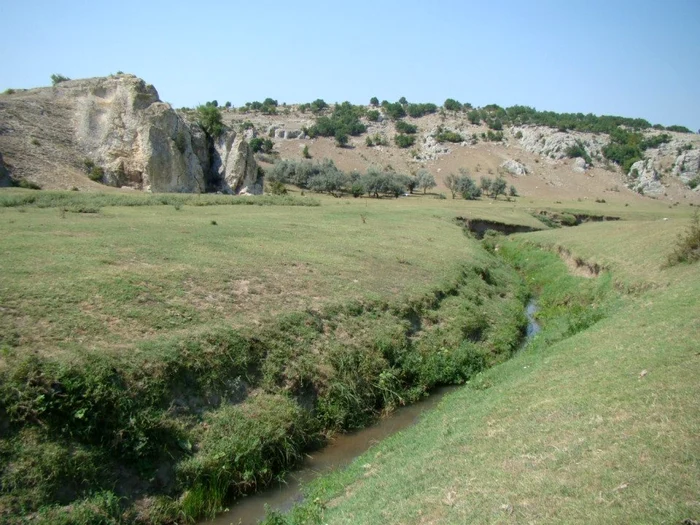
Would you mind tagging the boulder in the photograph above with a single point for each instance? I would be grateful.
(579, 165)
(515, 168)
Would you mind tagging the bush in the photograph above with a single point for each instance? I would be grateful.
(419, 110)
(305, 152)
(258, 144)
(345, 120)
(97, 174)
(374, 101)
(395, 111)
(578, 150)
(373, 115)
(687, 249)
(494, 136)
(452, 105)
(404, 127)
(444, 135)
(678, 129)
(276, 187)
(57, 79)
(28, 185)
(210, 120)
(404, 141)
(474, 117)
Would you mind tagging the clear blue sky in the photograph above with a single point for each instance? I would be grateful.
(630, 58)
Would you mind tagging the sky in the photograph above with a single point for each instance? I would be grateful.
(631, 58)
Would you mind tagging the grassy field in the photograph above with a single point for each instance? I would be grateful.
(164, 354)
(596, 421)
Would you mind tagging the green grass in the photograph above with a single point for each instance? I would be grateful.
(190, 354)
(594, 422)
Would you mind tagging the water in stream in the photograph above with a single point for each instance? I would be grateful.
(341, 451)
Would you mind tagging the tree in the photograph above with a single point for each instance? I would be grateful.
(467, 188)
(452, 105)
(404, 141)
(474, 117)
(341, 138)
(374, 101)
(498, 187)
(57, 79)
(227, 105)
(209, 119)
(451, 183)
(485, 185)
(425, 180)
(513, 192)
(403, 101)
(305, 152)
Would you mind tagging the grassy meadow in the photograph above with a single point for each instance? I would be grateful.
(163, 355)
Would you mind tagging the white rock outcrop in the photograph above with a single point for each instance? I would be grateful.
(687, 165)
(646, 178)
(515, 168)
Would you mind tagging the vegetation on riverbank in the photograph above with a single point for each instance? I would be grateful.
(199, 406)
(594, 421)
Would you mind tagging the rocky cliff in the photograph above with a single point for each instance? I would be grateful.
(120, 129)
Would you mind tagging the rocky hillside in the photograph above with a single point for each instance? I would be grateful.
(115, 131)
(536, 158)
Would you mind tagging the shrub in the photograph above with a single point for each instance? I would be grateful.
(694, 183)
(513, 192)
(678, 129)
(404, 141)
(404, 127)
(258, 144)
(419, 110)
(578, 150)
(209, 119)
(403, 101)
(57, 79)
(305, 152)
(97, 174)
(444, 135)
(494, 137)
(395, 111)
(276, 187)
(9, 91)
(474, 117)
(687, 248)
(373, 115)
(345, 120)
(28, 185)
(374, 101)
(318, 105)
(452, 105)
(518, 134)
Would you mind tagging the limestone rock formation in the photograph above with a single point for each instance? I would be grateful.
(235, 166)
(647, 180)
(687, 165)
(118, 124)
(515, 168)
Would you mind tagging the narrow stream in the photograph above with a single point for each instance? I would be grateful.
(341, 451)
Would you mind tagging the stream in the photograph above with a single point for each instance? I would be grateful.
(341, 451)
